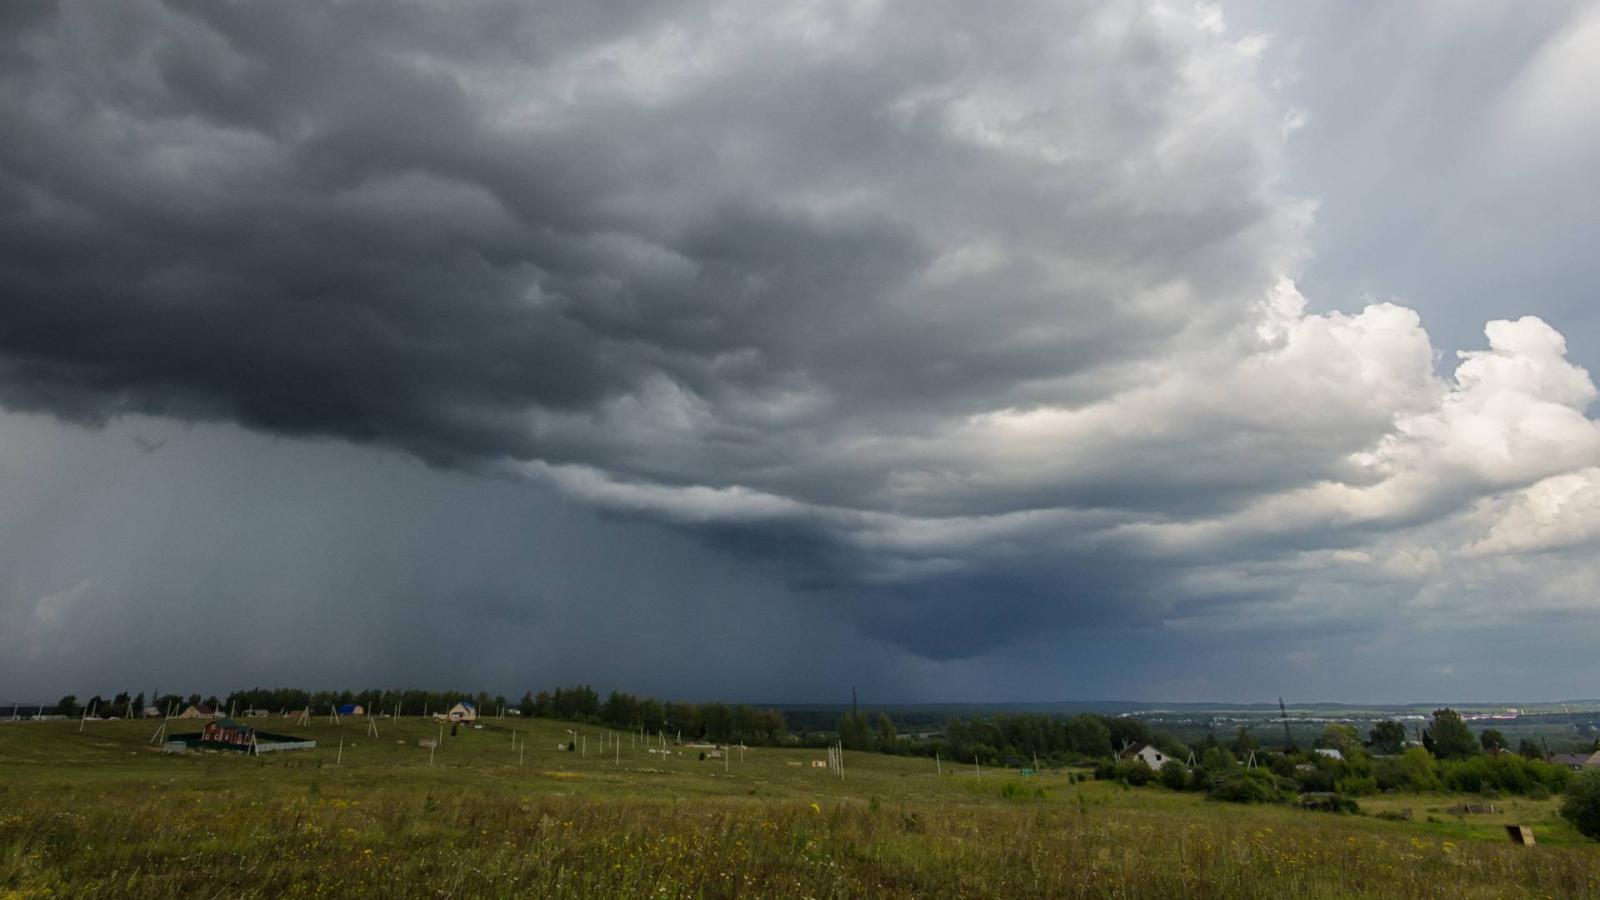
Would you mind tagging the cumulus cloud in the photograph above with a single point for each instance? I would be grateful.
(977, 325)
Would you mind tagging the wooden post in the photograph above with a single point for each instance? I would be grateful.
(937, 768)
(340, 760)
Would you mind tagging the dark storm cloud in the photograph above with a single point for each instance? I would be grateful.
(975, 326)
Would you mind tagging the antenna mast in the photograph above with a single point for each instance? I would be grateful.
(1283, 714)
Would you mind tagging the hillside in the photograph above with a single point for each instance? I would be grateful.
(503, 812)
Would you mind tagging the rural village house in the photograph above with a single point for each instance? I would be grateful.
(1577, 761)
(463, 711)
(1152, 757)
(226, 731)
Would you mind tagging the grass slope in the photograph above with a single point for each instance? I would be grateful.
(505, 815)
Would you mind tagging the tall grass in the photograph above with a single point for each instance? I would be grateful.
(97, 814)
(418, 844)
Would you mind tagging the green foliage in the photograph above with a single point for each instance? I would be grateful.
(1135, 772)
(1581, 806)
(1025, 735)
(854, 732)
(68, 706)
(1015, 790)
(1388, 737)
(1357, 785)
(1451, 737)
(1334, 803)
(79, 818)
(1493, 739)
(887, 736)
(1339, 737)
(1246, 786)
(1529, 750)
(1089, 736)
(1418, 771)
(1505, 773)
(1126, 731)
(1244, 743)
(1174, 775)
(1130, 771)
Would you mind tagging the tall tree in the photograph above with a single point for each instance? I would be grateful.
(1581, 806)
(1452, 739)
(1089, 735)
(1244, 743)
(887, 735)
(1342, 738)
(1388, 737)
(854, 733)
(1493, 740)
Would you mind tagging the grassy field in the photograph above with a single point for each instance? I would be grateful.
(500, 814)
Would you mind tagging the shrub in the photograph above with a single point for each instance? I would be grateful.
(1012, 790)
(1135, 772)
(1174, 775)
(1419, 771)
(1504, 773)
(1333, 803)
(1246, 786)
(1358, 785)
(1321, 778)
(1582, 804)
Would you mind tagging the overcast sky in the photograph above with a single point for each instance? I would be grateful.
(1134, 350)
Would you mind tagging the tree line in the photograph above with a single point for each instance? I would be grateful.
(718, 722)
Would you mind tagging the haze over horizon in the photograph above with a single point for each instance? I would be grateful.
(1157, 350)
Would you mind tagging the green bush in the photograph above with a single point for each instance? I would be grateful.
(1358, 785)
(1175, 776)
(1504, 773)
(1135, 772)
(1333, 803)
(1582, 804)
(1418, 771)
(1246, 786)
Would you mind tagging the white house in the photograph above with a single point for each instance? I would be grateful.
(1152, 757)
(1329, 752)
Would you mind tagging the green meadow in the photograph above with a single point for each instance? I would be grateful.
(501, 811)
